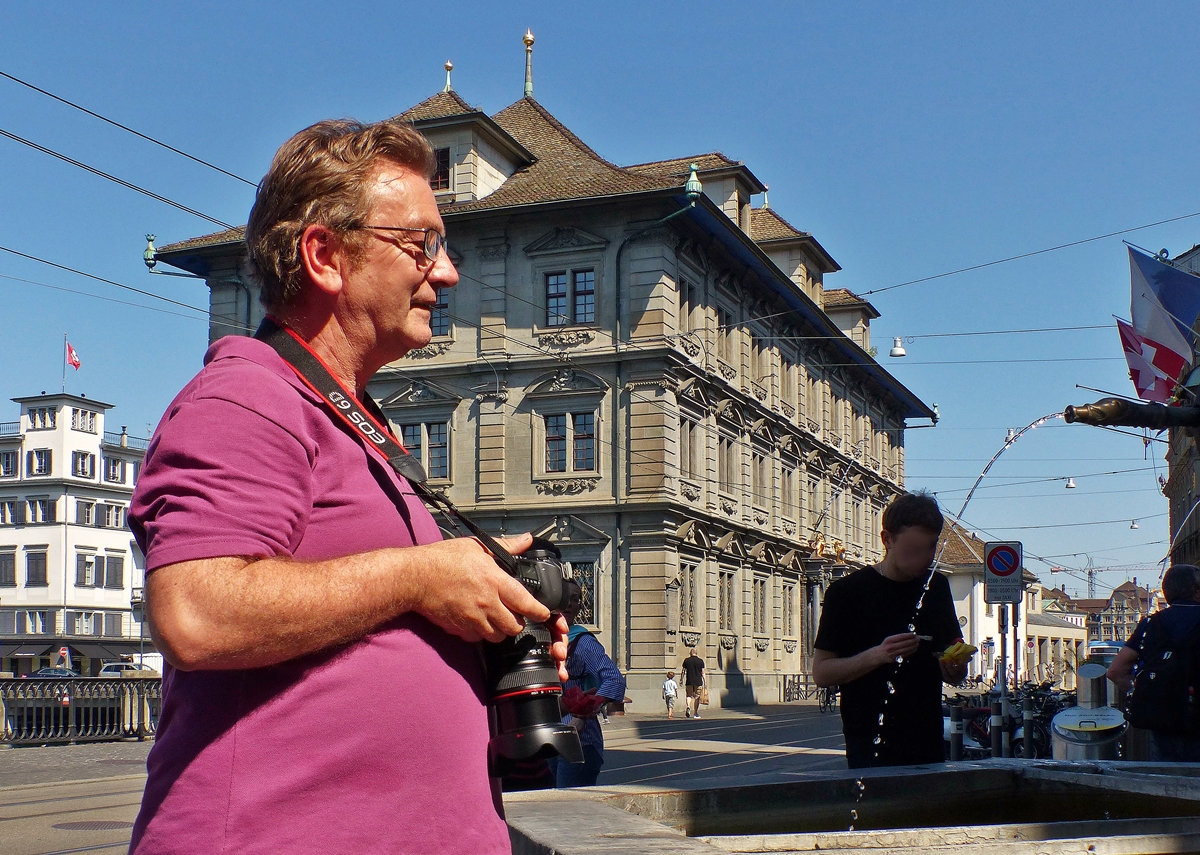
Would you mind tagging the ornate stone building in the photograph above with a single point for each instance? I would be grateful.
(663, 388)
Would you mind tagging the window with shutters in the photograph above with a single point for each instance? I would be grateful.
(35, 569)
(82, 623)
(725, 599)
(8, 511)
(41, 510)
(725, 335)
(85, 569)
(8, 464)
(687, 304)
(36, 622)
(114, 470)
(112, 624)
(690, 460)
(114, 572)
(85, 512)
(8, 568)
(38, 462)
(728, 458)
(8, 622)
(760, 606)
(114, 516)
(83, 464)
(759, 476)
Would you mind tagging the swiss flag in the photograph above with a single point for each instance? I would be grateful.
(72, 357)
(1153, 367)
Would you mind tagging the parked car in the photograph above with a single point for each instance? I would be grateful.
(117, 669)
(61, 673)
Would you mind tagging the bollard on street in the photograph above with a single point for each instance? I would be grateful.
(1027, 717)
(997, 728)
(956, 733)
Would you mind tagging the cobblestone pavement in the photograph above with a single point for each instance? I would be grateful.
(62, 799)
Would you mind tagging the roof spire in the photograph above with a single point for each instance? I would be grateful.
(528, 40)
(449, 67)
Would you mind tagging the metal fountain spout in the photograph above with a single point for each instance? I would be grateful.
(1115, 412)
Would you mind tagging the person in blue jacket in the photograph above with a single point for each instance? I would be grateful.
(594, 681)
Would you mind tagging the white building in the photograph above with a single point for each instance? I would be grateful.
(68, 564)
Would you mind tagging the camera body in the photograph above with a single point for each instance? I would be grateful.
(522, 677)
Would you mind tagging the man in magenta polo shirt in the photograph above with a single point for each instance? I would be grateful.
(324, 689)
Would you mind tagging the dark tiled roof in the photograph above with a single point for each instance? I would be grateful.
(437, 106)
(765, 224)
(959, 548)
(235, 235)
(683, 165)
(1049, 620)
(840, 297)
(566, 167)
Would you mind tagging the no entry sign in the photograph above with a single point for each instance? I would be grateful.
(1002, 582)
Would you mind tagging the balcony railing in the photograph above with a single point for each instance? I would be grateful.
(38, 711)
(10, 428)
(134, 442)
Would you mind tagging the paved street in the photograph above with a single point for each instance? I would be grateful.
(83, 798)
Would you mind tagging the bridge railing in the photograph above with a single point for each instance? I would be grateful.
(39, 711)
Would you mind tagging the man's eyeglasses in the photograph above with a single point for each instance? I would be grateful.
(434, 243)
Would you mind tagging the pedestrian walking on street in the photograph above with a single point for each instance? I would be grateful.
(693, 681)
(670, 690)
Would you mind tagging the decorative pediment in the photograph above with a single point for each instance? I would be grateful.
(789, 445)
(566, 381)
(732, 543)
(694, 533)
(761, 429)
(692, 389)
(420, 393)
(730, 410)
(692, 252)
(561, 240)
(569, 530)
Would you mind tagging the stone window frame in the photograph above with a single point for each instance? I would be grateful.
(568, 264)
(423, 420)
(569, 403)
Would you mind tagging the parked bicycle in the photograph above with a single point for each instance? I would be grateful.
(827, 699)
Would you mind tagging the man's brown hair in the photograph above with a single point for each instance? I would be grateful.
(913, 509)
(322, 175)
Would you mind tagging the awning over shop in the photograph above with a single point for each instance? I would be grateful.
(8, 650)
(93, 651)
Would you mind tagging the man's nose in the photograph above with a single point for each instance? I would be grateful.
(443, 274)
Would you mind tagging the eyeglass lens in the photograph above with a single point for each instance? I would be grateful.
(434, 244)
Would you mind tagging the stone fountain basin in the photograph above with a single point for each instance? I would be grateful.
(998, 807)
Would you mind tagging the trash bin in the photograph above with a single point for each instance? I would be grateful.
(1080, 733)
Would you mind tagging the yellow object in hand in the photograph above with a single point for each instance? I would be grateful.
(958, 653)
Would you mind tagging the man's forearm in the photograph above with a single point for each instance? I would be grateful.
(830, 670)
(224, 613)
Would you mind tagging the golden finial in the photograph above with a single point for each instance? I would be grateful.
(528, 40)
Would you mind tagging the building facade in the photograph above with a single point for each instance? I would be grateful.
(1115, 617)
(68, 564)
(654, 381)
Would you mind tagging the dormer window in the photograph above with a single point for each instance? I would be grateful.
(441, 172)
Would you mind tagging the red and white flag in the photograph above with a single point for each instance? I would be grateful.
(1154, 368)
(72, 357)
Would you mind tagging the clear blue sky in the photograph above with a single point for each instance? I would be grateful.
(910, 139)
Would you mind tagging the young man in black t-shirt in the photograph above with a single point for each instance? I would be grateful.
(880, 639)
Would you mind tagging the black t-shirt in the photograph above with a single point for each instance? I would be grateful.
(1178, 620)
(693, 671)
(859, 612)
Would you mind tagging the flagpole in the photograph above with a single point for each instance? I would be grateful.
(64, 383)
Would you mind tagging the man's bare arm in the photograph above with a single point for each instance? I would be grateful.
(829, 669)
(224, 613)
(1121, 669)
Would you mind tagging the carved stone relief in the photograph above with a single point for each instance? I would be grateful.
(691, 492)
(689, 639)
(728, 506)
(761, 644)
(728, 642)
(566, 338)
(789, 646)
(429, 351)
(567, 486)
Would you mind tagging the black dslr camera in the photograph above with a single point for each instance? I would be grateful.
(522, 677)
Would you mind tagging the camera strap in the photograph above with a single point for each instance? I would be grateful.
(369, 424)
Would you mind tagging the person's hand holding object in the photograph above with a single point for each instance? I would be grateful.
(958, 653)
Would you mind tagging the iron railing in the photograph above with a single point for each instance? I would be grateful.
(40, 711)
(135, 442)
(10, 428)
(796, 687)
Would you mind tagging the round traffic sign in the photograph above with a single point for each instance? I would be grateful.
(1003, 560)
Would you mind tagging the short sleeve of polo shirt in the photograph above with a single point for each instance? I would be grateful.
(223, 479)
(834, 631)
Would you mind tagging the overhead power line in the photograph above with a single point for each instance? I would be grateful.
(1030, 254)
(127, 129)
(109, 299)
(113, 178)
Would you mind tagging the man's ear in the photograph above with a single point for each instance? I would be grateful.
(888, 538)
(323, 257)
